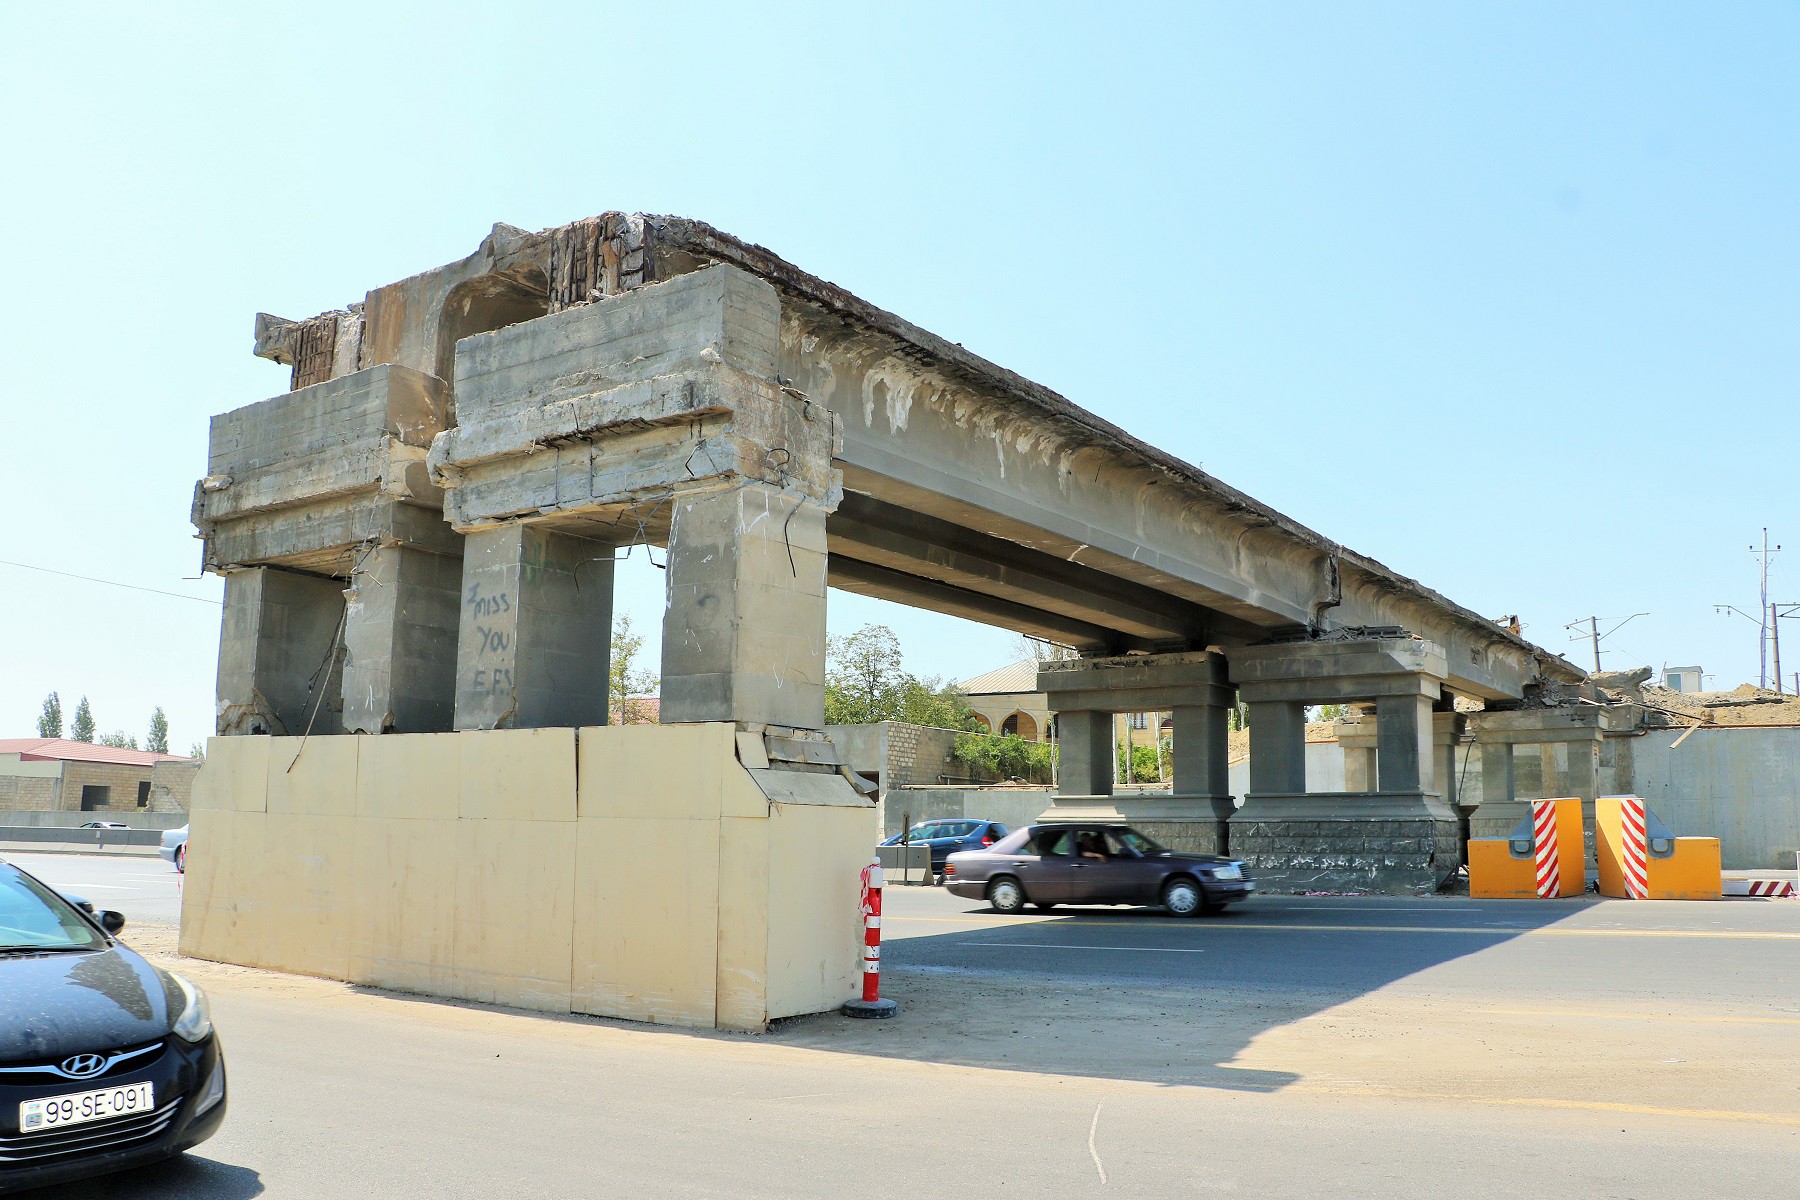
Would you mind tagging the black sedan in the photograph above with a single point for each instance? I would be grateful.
(1047, 865)
(947, 837)
(106, 1062)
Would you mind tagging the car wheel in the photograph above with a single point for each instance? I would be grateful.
(1006, 895)
(181, 859)
(1183, 897)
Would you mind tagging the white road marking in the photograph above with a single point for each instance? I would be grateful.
(1092, 1152)
(1080, 946)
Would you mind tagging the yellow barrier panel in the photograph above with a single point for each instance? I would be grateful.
(1640, 860)
(1541, 860)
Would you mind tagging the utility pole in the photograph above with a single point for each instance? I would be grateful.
(1592, 632)
(1762, 645)
(1776, 613)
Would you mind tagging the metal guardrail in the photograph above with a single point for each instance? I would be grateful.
(99, 838)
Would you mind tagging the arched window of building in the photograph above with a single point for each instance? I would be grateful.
(1020, 724)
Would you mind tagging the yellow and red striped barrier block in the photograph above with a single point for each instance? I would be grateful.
(1641, 860)
(1541, 860)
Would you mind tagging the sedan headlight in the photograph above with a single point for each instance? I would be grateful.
(1229, 870)
(195, 1023)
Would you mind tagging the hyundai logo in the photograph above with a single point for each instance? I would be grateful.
(81, 1066)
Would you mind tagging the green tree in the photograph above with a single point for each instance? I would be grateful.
(83, 730)
(936, 702)
(1143, 768)
(50, 720)
(864, 679)
(626, 681)
(197, 751)
(158, 739)
(119, 739)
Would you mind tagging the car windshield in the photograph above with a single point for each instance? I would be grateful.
(32, 917)
(1136, 841)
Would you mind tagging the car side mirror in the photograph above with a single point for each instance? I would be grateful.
(112, 921)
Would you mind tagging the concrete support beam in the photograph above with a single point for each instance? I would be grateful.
(1203, 753)
(913, 543)
(1403, 750)
(1277, 746)
(534, 643)
(1496, 771)
(744, 631)
(280, 653)
(400, 635)
(1446, 737)
(1085, 753)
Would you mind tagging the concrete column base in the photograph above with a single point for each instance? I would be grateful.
(1392, 843)
(1195, 824)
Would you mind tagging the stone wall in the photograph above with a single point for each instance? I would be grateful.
(1387, 856)
(25, 793)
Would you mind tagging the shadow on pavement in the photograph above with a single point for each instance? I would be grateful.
(1132, 994)
(187, 1177)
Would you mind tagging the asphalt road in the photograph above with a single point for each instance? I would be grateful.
(1300, 1048)
(146, 890)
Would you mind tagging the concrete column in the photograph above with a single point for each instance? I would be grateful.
(744, 631)
(1202, 751)
(1277, 746)
(280, 654)
(534, 642)
(1403, 743)
(1446, 736)
(1497, 773)
(1583, 776)
(1085, 753)
(1356, 736)
(400, 633)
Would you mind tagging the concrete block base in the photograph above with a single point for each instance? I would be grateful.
(1193, 824)
(671, 884)
(1399, 845)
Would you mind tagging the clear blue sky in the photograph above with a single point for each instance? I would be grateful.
(1503, 295)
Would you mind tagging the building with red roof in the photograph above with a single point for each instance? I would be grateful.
(60, 775)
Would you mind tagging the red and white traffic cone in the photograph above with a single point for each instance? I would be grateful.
(871, 1004)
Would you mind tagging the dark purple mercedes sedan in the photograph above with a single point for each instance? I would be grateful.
(1047, 865)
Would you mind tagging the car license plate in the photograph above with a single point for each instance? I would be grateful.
(55, 1111)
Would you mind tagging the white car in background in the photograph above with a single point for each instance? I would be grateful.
(174, 847)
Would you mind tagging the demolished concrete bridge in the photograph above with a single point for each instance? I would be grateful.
(420, 538)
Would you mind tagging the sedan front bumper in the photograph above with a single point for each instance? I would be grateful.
(193, 1079)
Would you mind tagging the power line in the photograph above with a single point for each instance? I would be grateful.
(1592, 632)
(109, 582)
